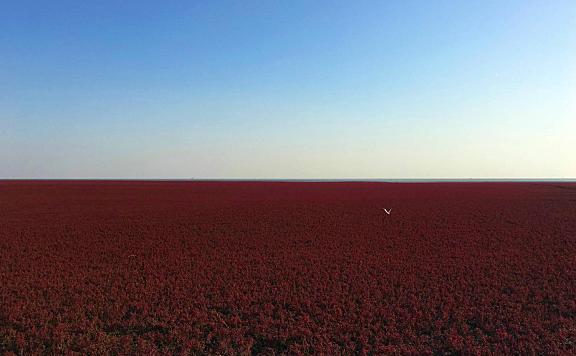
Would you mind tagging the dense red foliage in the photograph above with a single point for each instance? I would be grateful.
(240, 267)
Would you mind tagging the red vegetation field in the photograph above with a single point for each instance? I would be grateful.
(270, 267)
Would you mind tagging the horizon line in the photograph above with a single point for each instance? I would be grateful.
(304, 180)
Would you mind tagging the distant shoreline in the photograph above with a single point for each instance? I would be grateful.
(352, 180)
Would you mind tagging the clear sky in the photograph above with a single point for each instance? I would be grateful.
(288, 89)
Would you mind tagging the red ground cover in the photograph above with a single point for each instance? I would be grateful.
(256, 267)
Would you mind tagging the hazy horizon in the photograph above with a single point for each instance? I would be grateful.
(288, 90)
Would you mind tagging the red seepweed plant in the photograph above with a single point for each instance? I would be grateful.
(295, 268)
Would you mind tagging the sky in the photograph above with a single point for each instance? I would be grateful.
(288, 89)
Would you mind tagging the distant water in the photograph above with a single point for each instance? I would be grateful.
(471, 180)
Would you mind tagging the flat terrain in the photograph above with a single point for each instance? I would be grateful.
(269, 267)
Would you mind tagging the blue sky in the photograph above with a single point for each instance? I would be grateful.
(287, 89)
